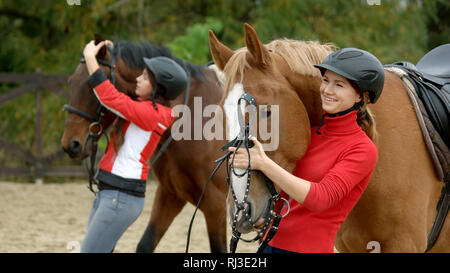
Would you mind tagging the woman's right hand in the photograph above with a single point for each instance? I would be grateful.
(257, 156)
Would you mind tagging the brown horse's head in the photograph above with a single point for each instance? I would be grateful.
(263, 71)
(128, 65)
(75, 140)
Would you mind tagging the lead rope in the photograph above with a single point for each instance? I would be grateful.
(220, 161)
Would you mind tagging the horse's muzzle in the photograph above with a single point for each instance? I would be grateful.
(74, 150)
(243, 224)
(247, 221)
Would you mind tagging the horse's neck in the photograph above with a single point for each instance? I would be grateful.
(307, 88)
(208, 89)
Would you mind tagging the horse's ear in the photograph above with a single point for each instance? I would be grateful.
(254, 45)
(219, 52)
(102, 53)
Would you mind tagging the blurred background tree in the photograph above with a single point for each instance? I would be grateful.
(50, 35)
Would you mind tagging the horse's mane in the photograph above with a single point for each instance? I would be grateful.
(132, 54)
(300, 56)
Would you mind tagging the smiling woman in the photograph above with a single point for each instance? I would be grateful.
(331, 176)
(352, 78)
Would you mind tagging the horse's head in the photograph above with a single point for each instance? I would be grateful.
(83, 109)
(266, 75)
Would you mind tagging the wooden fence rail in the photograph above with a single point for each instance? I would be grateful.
(38, 164)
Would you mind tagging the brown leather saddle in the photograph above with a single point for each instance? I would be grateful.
(431, 79)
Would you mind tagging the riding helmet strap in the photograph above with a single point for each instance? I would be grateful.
(355, 106)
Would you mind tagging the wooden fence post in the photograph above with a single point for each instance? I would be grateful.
(38, 135)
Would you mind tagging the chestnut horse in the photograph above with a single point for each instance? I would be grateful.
(182, 169)
(398, 207)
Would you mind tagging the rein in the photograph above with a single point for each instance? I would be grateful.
(243, 139)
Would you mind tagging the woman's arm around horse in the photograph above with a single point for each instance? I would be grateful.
(355, 164)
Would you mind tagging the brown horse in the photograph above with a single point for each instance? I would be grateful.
(182, 169)
(398, 208)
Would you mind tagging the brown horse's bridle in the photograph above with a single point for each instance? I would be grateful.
(243, 139)
(96, 120)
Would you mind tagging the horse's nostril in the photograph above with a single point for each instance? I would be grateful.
(75, 146)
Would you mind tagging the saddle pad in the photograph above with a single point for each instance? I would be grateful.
(438, 150)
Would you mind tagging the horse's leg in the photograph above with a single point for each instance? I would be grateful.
(214, 210)
(166, 207)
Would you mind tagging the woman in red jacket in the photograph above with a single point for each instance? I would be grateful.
(123, 170)
(331, 177)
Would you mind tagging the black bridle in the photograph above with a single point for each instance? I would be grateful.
(243, 139)
(96, 120)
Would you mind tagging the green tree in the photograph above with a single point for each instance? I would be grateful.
(50, 35)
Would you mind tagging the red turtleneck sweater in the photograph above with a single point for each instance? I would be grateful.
(338, 163)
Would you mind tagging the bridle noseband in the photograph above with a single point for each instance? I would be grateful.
(243, 139)
(96, 120)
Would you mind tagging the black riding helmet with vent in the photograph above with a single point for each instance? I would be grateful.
(358, 66)
(168, 74)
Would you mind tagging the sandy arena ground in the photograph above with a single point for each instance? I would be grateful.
(52, 218)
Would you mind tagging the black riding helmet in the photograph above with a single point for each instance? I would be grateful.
(360, 67)
(169, 74)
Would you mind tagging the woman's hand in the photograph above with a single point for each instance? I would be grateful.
(89, 52)
(109, 43)
(91, 49)
(258, 157)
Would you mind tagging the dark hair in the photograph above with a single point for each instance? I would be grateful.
(132, 55)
